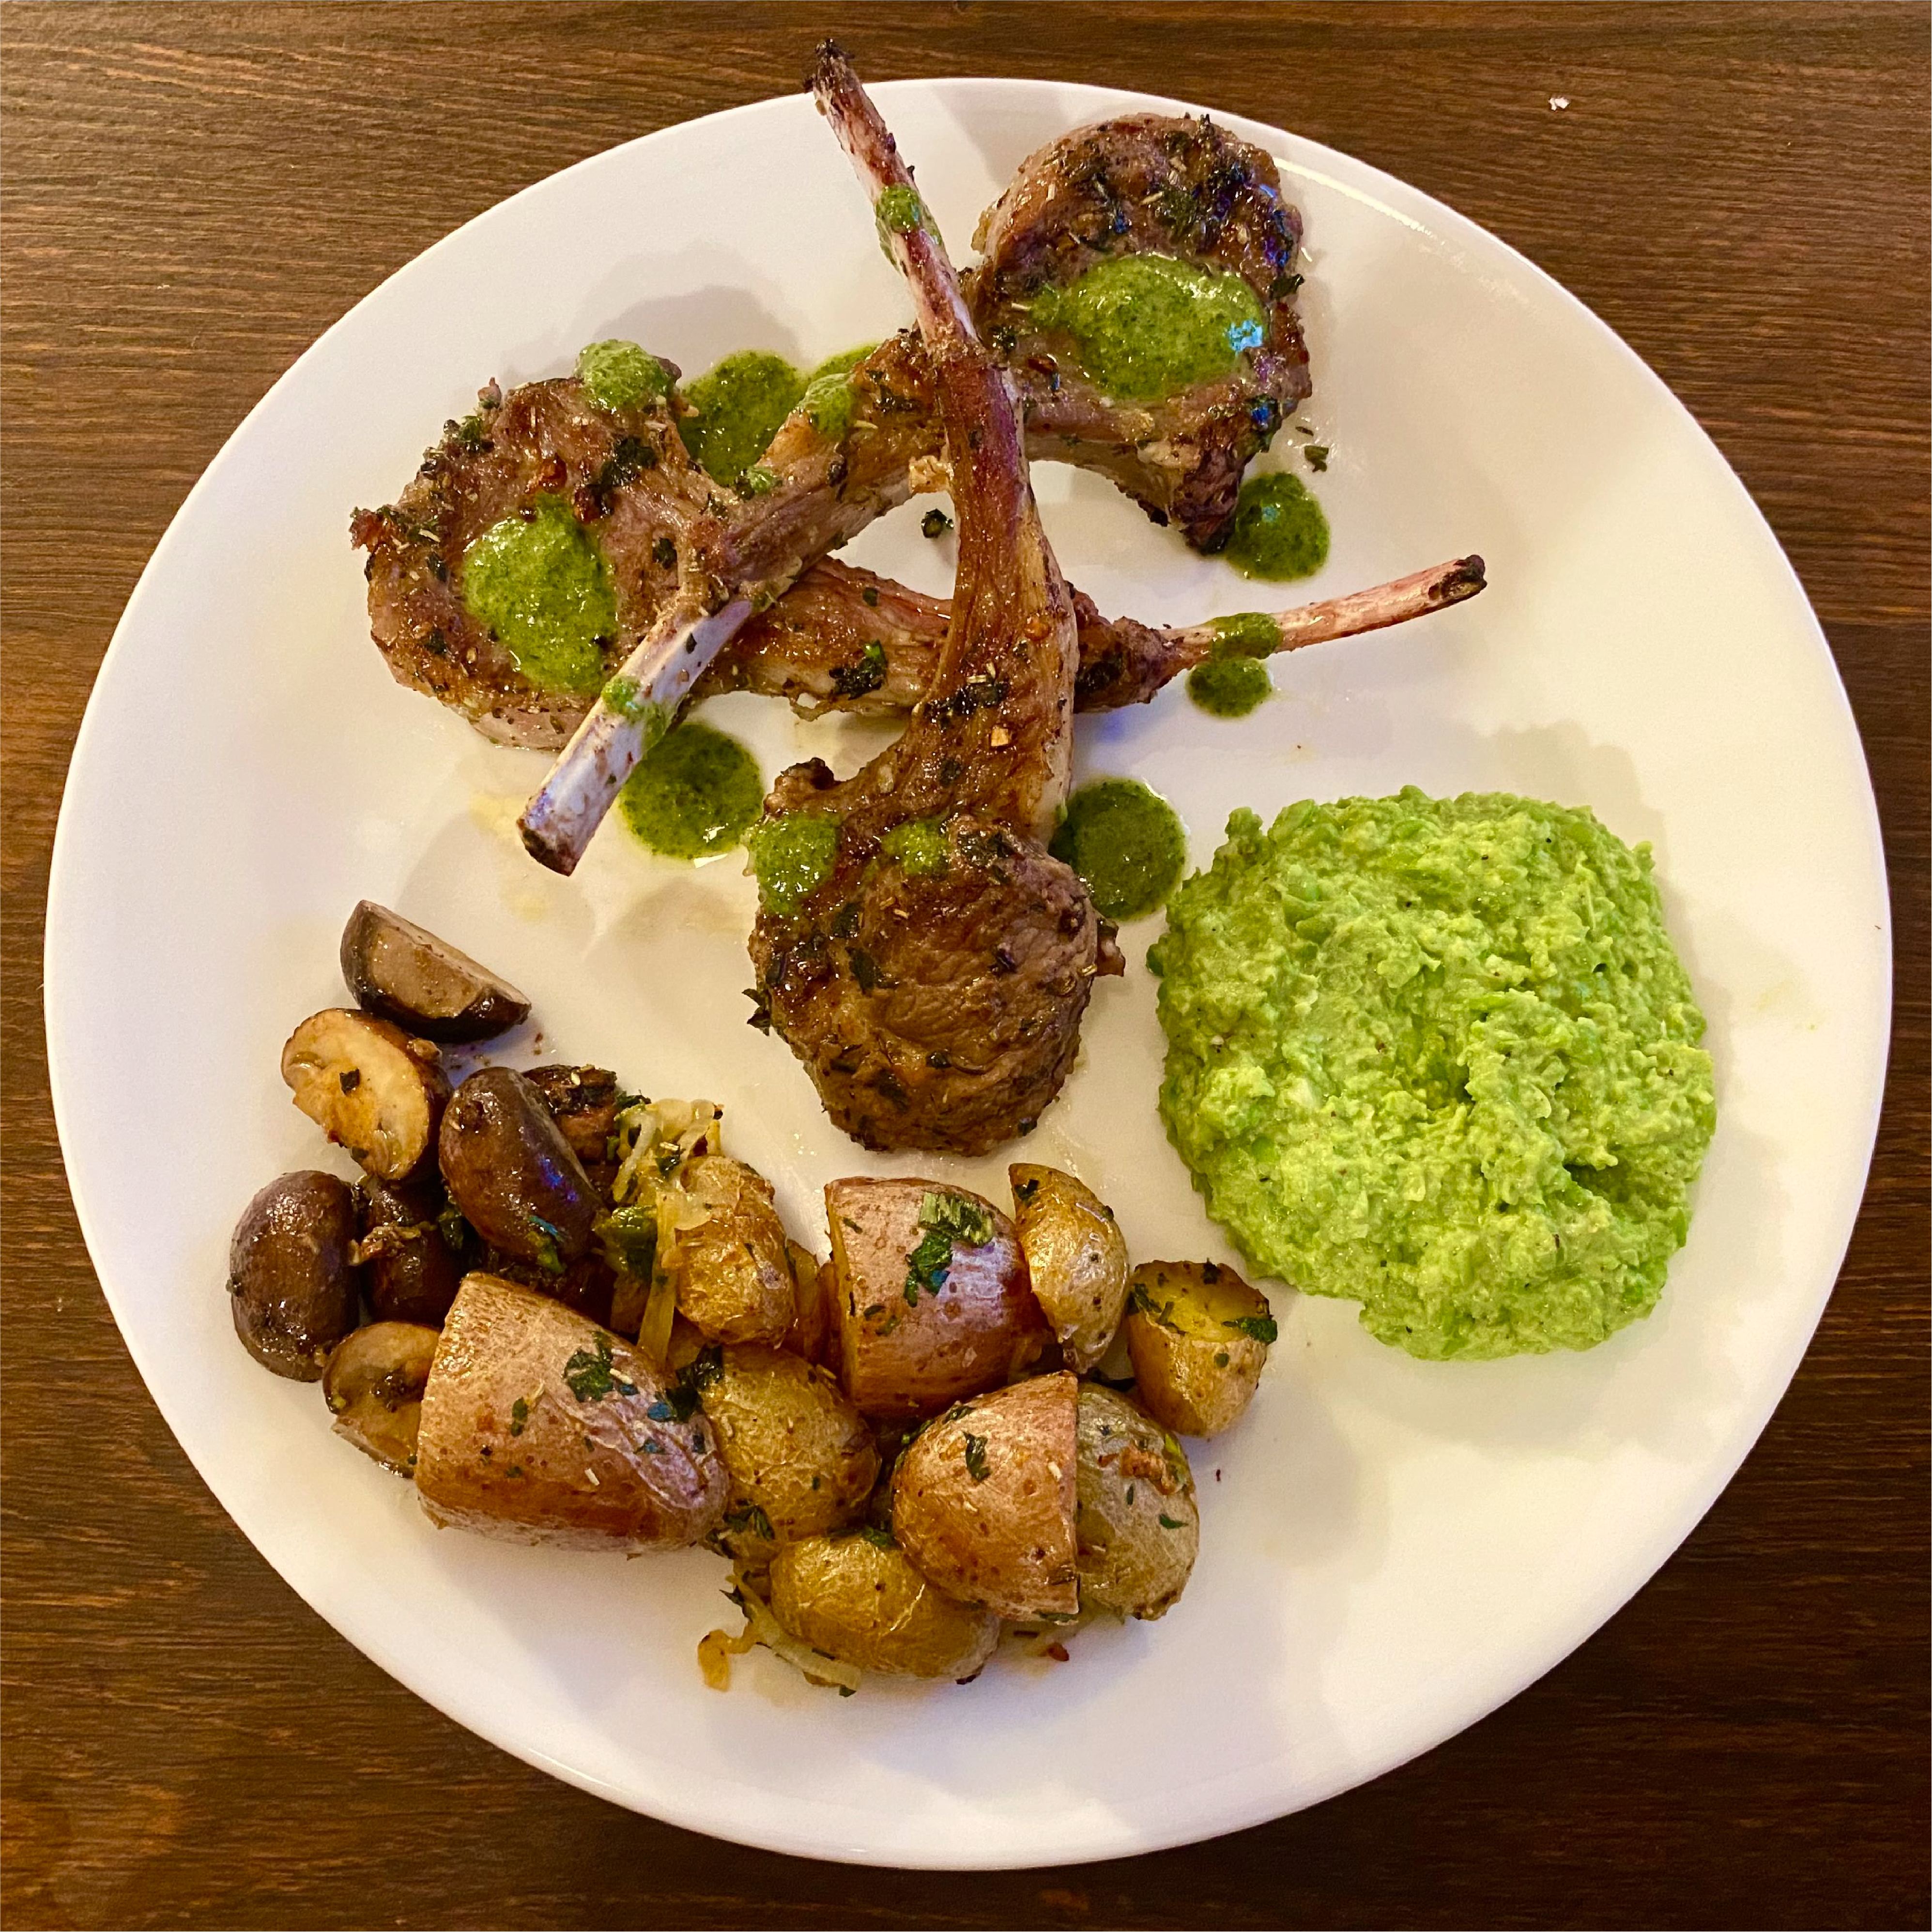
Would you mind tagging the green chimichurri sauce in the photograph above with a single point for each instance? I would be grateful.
(620, 376)
(898, 211)
(694, 795)
(736, 409)
(1280, 532)
(1125, 842)
(919, 845)
(828, 398)
(1252, 634)
(1147, 326)
(792, 858)
(540, 585)
(1230, 687)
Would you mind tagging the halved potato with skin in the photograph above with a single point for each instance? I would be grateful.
(723, 1248)
(539, 1426)
(858, 1599)
(369, 1086)
(1198, 1336)
(801, 1459)
(983, 1500)
(930, 1297)
(1076, 1259)
(1134, 1519)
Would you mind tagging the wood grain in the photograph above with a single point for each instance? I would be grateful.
(192, 193)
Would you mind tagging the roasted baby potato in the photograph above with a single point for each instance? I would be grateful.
(401, 972)
(1076, 1259)
(511, 1172)
(1134, 1517)
(983, 1498)
(930, 1297)
(801, 1459)
(723, 1248)
(812, 1329)
(369, 1087)
(539, 1426)
(857, 1599)
(411, 1269)
(373, 1386)
(292, 1289)
(1198, 1335)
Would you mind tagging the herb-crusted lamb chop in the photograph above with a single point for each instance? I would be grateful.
(916, 946)
(831, 468)
(1159, 220)
(843, 639)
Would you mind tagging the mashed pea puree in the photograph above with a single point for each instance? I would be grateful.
(1438, 1056)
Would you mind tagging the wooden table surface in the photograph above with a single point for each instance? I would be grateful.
(192, 193)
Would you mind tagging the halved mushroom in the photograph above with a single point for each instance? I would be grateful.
(369, 1087)
(510, 1171)
(402, 972)
(293, 1289)
(373, 1386)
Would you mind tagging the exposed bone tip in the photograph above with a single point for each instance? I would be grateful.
(542, 848)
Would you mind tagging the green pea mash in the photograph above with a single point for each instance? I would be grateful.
(1439, 1056)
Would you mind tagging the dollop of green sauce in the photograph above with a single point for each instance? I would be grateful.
(1145, 326)
(898, 211)
(694, 794)
(1280, 532)
(735, 411)
(1438, 1056)
(1247, 633)
(541, 586)
(919, 845)
(618, 375)
(792, 857)
(827, 399)
(1230, 687)
(1125, 842)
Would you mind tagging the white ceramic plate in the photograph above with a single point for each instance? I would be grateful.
(1390, 1548)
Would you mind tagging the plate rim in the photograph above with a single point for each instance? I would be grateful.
(1447, 222)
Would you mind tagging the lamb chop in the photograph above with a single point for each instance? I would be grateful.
(1223, 204)
(845, 639)
(931, 965)
(1184, 192)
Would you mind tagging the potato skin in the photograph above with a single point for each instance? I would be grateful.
(1135, 1519)
(901, 1355)
(733, 1271)
(511, 1172)
(402, 972)
(983, 1500)
(1076, 1259)
(862, 1602)
(799, 1454)
(293, 1290)
(412, 1271)
(370, 1087)
(373, 1386)
(1194, 1372)
(537, 1427)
